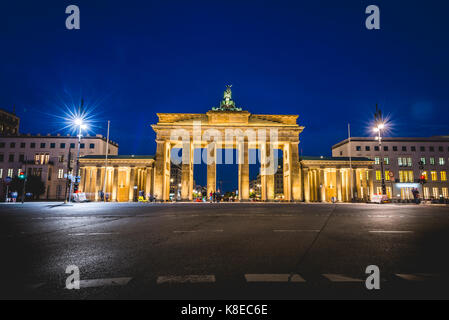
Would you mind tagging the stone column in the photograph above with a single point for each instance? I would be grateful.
(243, 170)
(306, 175)
(99, 185)
(159, 171)
(365, 184)
(267, 171)
(148, 182)
(295, 174)
(93, 183)
(262, 171)
(338, 186)
(84, 177)
(114, 184)
(371, 183)
(322, 186)
(355, 183)
(167, 171)
(312, 184)
(211, 168)
(186, 173)
(270, 171)
(287, 157)
(132, 183)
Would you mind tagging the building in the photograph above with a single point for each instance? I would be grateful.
(48, 157)
(303, 179)
(405, 161)
(9, 123)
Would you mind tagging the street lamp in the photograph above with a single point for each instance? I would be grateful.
(379, 126)
(78, 122)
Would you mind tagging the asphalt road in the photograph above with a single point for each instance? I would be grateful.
(223, 251)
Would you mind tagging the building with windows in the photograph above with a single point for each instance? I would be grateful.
(406, 161)
(49, 157)
(9, 123)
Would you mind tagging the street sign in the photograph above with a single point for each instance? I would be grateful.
(8, 179)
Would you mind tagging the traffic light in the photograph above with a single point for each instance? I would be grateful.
(75, 188)
(21, 175)
(422, 179)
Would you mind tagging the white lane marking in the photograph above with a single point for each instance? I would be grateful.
(390, 231)
(193, 231)
(92, 283)
(295, 230)
(91, 234)
(417, 276)
(186, 279)
(340, 278)
(34, 286)
(274, 277)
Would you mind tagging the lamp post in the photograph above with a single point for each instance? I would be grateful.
(378, 129)
(80, 124)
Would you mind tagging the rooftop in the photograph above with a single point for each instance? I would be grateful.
(334, 158)
(395, 139)
(122, 156)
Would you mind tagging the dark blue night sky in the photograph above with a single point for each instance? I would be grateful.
(132, 59)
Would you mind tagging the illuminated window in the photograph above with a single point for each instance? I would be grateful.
(10, 172)
(441, 161)
(435, 193)
(60, 173)
(410, 176)
(389, 192)
(387, 175)
(406, 176)
(423, 160)
(426, 193)
(443, 176)
(409, 162)
(379, 190)
(41, 158)
(432, 161)
(376, 160)
(424, 174)
(400, 162)
(434, 176)
(1, 173)
(444, 192)
(378, 175)
(387, 160)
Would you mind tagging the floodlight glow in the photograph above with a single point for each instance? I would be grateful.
(78, 121)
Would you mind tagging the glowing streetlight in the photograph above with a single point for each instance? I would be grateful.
(379, 125)
(77, 122)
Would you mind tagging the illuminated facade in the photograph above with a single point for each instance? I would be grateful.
(405, 162)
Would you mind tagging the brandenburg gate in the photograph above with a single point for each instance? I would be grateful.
(228, 127)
